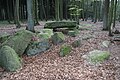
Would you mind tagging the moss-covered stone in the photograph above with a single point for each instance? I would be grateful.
(60, 24)
(65, 50)
(9, 59)
(98, 56)
(38, 47)
(43, 36)
(86, 37)
(106, 43)
(76, 43)
(19, 41)
(73, 33)
(4, 37)
(49, 31)
(58, 37)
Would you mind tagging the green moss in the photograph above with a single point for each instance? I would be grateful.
(73, 33)
(65, 50)
(4, 37)
(97, 56)
(19, 41)
(60, 24)
(38, 47)
(58, 37)
(49, 31)
(76, 43)
(9, 59)
(43, 36)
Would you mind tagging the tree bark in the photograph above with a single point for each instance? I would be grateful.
(105, 14)
(30, 16)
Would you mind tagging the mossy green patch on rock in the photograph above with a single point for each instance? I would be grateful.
(72, 33)
(58, 37)
(19, 41)
(49, 31)
(65, 50)
(4, 37)
(38, 47)
(43, 36)
(9, 59)
(76, 43)
(87, 36)
(98, 56)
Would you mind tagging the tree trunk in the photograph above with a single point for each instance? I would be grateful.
(105, 14)
(114, 16)
(30, 16)
(61, 9)
(57, 10)
(17, 22)
(111, 17)
(36, 12)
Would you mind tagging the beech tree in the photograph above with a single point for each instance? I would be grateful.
(30, 15)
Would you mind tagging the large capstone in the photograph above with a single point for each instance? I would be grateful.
(58, 37)
(9, 59)
(37, 47)
(19, 41)
(60, 24)
(65, 50)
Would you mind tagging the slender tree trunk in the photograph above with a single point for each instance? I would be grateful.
(114, 16)
(61, 9)
(17, 22)
(36, 12)
(105, 14)
(57, 9)
(86, 15)
(83, 16)
(30, 16)
(8, 11)
(111, 17)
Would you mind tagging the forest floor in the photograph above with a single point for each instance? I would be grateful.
(49, 66)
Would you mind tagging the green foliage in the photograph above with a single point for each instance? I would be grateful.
(65, 50)
(9, 59)
(74, 10)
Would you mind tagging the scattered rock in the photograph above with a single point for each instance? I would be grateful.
(106, 43)
(86, 37)
(4, 37)
(82, 28)
(43, 36)
(19, 41)
(76, 43)
(58, 37)
(9, 59)
(72, 33)
(49, 31)
(38, 47)
(65, 50)
(97, 56)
